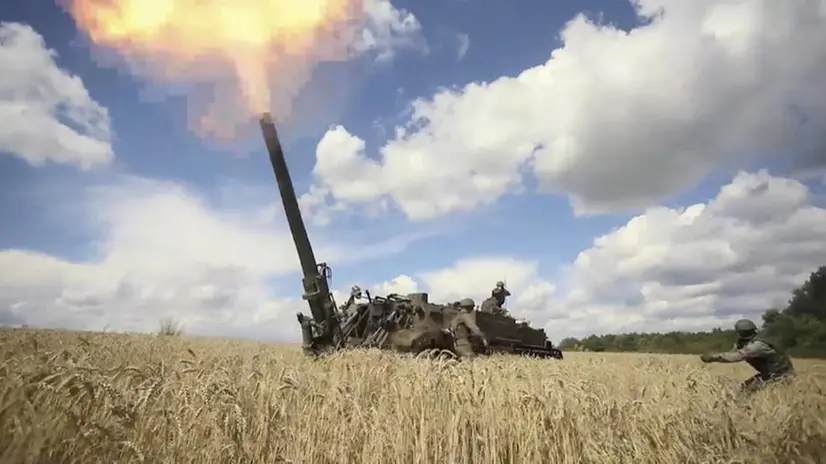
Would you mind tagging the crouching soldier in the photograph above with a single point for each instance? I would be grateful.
(770, 362)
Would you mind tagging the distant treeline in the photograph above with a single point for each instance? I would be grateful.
(799, 328)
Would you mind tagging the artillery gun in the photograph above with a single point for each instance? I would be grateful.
(401, 323)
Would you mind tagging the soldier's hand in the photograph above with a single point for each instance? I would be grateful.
(707, 358)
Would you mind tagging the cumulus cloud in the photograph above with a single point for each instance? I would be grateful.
(692, 268)
(402, 285)
(389, 29)
(475, 278)
(697, 267)
(47, 112)
(612, 119)
(165, 251)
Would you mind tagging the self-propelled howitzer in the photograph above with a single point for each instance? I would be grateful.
(402, 323)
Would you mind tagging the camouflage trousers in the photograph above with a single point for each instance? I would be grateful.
(463, 347)
(758, 382)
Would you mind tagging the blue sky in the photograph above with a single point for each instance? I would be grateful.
(610, 126)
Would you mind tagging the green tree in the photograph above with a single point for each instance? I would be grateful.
(799, 328)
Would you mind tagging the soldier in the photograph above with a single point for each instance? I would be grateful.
(495, 304)
(355, 292)
(465, 331)
(308, 334)
(353, 301)
(771, 363)
(466, 304)
(500, 293)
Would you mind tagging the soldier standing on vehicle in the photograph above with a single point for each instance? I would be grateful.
(771, 363)
(500, 293)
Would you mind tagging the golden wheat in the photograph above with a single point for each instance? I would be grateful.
(104, 398)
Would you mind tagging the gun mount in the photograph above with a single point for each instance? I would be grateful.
(400, 323)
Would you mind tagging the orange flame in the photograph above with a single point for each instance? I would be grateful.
(256, 54)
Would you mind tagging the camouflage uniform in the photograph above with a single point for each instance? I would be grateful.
(500, 293)
(469, 338)
(771, 363)
(352, 302)
(494, 304)
(489, 306)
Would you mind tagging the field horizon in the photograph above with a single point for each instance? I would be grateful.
(84, 397)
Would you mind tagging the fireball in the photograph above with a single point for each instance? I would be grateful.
(255, 55)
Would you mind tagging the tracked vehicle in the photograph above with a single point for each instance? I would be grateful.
(404, 323)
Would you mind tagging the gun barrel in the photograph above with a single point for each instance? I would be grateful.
(315, 286)
(288, 198)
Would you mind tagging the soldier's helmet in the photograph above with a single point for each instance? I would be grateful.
(356, 291)
(500, 284)
(745, 327)
(467, 304)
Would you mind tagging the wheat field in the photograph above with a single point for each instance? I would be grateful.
(111, 398)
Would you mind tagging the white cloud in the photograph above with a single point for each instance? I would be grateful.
(613, 119)
(164, 250)
(701, 266)
(402, 285)
(47, 113)
(388, 29)
(463, 45)
(476, 277)
(692, 268)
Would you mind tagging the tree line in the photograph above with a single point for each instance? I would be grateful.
(799, 328)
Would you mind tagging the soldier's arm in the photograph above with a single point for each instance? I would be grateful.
(755, 349)
(732, 356)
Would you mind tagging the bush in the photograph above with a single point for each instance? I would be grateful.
(170, 327)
